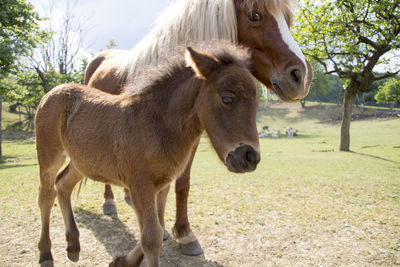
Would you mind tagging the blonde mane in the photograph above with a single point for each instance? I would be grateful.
(192, 21)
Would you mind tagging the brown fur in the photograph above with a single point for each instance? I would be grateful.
(271, 59)
(143, 139)
(96, 62)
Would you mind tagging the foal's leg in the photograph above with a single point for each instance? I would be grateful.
(187, 241)
(109, 207)
(49, 163)
(66, 182)
(161, 201)
(143, 197)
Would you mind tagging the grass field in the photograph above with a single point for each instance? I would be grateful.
(307, 204)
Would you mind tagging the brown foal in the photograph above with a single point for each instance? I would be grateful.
(143, 139)
(261, 25)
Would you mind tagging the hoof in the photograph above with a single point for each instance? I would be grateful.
(191, 249)
(73, 256)
(46, 259)
(166, 235)
(119, 261)
(48, 263)
(109, 208)
(128, 201)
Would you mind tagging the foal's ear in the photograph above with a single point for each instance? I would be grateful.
(202, 63)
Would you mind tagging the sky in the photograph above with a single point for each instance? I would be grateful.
(124, 21)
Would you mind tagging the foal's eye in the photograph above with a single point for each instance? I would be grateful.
(255, 17)
(227, 97)
(227, 100)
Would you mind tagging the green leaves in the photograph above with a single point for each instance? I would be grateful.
(19, 32)
(348, 35)
(389, 92)
(26, 88)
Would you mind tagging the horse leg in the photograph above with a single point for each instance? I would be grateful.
(65, 183)
(49, 163)
(109, 207)
(151, 232)
(161, 201)
(127, 197)
(187, 241)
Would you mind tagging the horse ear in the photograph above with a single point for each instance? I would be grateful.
(202, 63)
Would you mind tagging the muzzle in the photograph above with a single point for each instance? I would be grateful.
(242, 159)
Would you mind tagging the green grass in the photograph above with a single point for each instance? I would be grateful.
(303, 182)
(15, 126)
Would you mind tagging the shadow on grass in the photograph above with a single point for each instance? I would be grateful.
(7, 162)
(284, 137)
(332, 114)
(21, 130)
(272, 113)
(119, 240)
(323, 114)
(375, 157)
(113, 234)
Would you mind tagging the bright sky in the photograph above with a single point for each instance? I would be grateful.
(124, 21)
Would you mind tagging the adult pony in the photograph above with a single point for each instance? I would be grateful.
(154, 126)
(261, 25)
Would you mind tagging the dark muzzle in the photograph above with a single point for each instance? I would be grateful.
(243, 159)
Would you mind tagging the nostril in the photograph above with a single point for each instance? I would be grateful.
(250, 157)
(295, 76)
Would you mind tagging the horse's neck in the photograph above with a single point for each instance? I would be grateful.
(182, 106)
(180, 112)
(172, 103)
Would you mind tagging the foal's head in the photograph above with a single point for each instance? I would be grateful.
(227, 105)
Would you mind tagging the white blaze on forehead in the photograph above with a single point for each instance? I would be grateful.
(288, 38)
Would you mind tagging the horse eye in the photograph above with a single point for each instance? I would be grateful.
(227, 99)
(255, 16)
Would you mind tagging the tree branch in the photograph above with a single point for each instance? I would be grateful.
(367, 41)
(387, 75)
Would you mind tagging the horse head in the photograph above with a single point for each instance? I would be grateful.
(227, 107)
(278, 62)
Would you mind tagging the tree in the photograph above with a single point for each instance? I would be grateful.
(25, 89)
(369, 97)
(56, 60)
(111, 44)
(60, 54)
(19, 34)
(350, 38)
(389, 93)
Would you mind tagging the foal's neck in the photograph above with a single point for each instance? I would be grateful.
(180, 103)
(170, 102)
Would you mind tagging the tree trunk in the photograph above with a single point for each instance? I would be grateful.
(13, 108)
(1, 141)
(303, 103)
(45, 81)
(346, 119)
